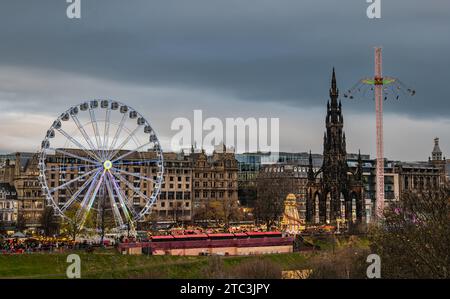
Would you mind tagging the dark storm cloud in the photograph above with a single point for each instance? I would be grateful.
(254, 50)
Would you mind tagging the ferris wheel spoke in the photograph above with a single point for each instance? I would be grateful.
(72, 181)
(124, 143)
(88, 193)
(83, 132)
(64, 168)
(118, 131)
(138, 162)
(78, 192)
(123, 199)
(133, 174)
(129, 137)
(125, 203)
(131, 186)
(106, 132)
(116, 212)
(96, 130)
(91, 200)
(130, 152)
(74, 156)
(75, 142)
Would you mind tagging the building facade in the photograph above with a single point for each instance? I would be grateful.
(215, 178)
(8, 206)
(21, 171)
(189, 178)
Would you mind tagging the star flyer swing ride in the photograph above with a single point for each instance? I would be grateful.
(382, 89)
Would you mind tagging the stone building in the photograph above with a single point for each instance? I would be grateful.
(422, 176)
(188, 178)
(215, 177)
(8, 206)
(287, 178)
(21, 171)
(175, 200)
(251, 165)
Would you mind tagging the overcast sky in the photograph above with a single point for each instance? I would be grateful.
(230, 58)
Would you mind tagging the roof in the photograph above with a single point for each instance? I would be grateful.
(241, 235)
(263, 233)
(161, 237)
(191, 236)
(220, 235)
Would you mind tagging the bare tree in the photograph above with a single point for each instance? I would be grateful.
(104, 218)
(21, 223)
(73, 225)
(414, 239)
(271, 193)
(49, 222)
(219, 210)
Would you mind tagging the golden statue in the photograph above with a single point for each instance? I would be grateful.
(291, 222)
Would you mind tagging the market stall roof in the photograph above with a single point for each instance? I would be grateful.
(19, 235)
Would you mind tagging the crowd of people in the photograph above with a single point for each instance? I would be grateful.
(41, 244)
(30, 245)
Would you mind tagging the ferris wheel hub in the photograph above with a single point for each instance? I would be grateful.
(107, 165)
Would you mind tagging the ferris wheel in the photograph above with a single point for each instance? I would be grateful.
(101, 156)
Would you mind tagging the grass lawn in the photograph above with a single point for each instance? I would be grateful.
(110, 264)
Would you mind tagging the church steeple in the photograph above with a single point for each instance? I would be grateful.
(359, 170)
(334, 91)
(334, 181)
(334, 148)
(310, 168)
